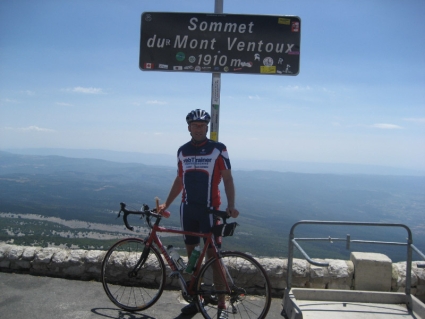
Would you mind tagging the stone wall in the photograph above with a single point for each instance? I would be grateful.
(340, 274)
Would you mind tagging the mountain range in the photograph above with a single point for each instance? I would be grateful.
(237, 163)
(270, 201)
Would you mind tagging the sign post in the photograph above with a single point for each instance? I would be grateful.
(215, 90)
(215, 106)
(220, 43)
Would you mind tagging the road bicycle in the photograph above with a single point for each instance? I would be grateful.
(134, 274)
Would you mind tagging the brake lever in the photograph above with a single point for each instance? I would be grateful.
(144, 209)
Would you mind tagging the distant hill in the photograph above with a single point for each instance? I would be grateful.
(238, 163)
(270, 202)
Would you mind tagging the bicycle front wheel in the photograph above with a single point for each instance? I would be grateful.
(250, 291)
(129, 284)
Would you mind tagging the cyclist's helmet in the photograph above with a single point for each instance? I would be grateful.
(198, 115)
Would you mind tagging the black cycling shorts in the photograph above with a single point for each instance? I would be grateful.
(195, 218)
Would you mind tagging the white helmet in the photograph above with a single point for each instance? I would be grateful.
(198, 115)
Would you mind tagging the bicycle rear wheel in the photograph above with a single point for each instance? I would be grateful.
(250, 294)
(128, 285)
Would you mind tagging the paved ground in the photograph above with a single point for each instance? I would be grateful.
(26, 296)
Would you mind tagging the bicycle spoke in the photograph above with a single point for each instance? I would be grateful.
(250, 292)
(129, 288)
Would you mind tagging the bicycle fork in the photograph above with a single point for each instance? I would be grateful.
(235, 292)
(133, 273)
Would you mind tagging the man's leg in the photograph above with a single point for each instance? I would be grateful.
(218, 279)
(189, 224)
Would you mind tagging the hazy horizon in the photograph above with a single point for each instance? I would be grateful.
(237, 164)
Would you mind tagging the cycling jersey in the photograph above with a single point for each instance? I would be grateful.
(199, 167)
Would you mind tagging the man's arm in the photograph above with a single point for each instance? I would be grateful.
(175, 190)
(229, 188)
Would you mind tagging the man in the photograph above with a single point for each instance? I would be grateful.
(202, 164)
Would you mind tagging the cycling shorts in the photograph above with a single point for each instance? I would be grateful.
(195, 218)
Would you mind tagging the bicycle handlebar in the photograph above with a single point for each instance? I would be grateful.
(147, 213)
(127, 212)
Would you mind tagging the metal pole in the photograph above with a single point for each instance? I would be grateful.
(215, 90)
(290, 257)
(218, 6)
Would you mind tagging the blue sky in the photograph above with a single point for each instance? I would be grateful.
(69, 78)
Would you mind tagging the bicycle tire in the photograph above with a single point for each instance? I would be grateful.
(129, 292)
(250, 295)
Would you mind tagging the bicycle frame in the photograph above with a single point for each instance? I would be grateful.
(209, 242)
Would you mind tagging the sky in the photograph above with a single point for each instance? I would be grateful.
(70, 78)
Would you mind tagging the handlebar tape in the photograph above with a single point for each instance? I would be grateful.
(123, 205)
(126, 222)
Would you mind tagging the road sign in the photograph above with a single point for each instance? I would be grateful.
(220, 43)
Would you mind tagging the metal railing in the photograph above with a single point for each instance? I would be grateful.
(293, 243)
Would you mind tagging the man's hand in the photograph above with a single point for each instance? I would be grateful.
(161, 208)
(162, 211)
(232, 212)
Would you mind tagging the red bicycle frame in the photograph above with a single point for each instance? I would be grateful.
(153, 238)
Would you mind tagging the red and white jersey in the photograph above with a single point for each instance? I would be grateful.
(200, 166)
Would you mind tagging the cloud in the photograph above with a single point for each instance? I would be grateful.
(156, 102)
(296, 88)
(386, 126)
(9, 101)
(256, 97)
(307, 92)
(63, 104)
(89, 90)
(31, 128)
(28, 92)
(416, 120)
